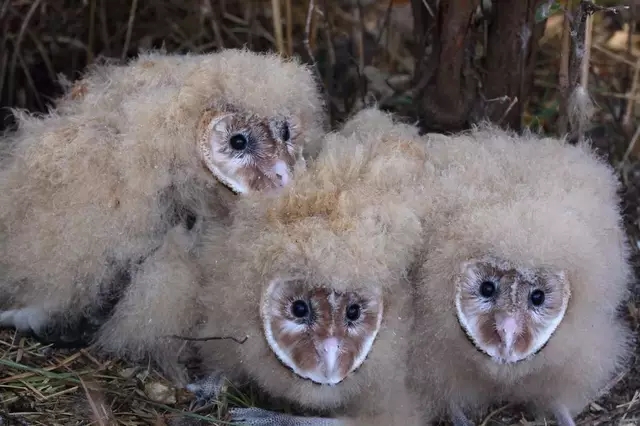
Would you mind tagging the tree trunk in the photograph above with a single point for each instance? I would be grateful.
(474, 66)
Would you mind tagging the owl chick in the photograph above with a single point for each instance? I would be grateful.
(91, 191)
(315, 277)
(525, 264)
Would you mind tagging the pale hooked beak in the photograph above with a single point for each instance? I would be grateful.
(508, 329)
(281, 170)
(329, 351)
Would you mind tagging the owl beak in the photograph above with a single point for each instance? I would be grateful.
(329, 350)
(281, 170)
(508, 329)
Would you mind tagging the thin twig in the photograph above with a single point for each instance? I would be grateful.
(4, 9)
(307, 44)
(311, 11)
(277, 25)
(307, 31)
(629, 96)
(50, 368)
(591, 8)
(426, 5)
(509, 108)
(30, 82)
(631, 23)
(385, 22)
(612, 55)
(229, 33)
(289, 12)
(127, 40)
(584, 75)
(588, 36)
(205, 339)
(572, 117)
(485, 422)
(563, 75)
(632, 93)
(632, 145)
(92, 28)
(328, 34)
(215, 26)
(43, 54)
(16, 47)
(92, 404)
(358, 34)
(331, 63)
(106, 40)
(251, 18)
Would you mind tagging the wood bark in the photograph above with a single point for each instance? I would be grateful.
(457, 87)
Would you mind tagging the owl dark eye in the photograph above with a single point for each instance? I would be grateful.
(487, 289)
(537, 297)
(238, 142)
(299, 309)
(285, 133)
(353, 312)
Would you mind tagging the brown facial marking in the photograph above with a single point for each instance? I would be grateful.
(488, 332)
(265, 153)
(304, 351)
(490, 336)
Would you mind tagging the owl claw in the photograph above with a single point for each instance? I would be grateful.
(206, 390)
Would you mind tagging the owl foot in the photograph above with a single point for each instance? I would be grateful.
(24, 320)
(562, 415)
(47, 328)
(458, 418)
(260, 417)
(206, 390)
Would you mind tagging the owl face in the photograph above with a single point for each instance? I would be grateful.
(247, 152)
(319, 333)
(510, 313)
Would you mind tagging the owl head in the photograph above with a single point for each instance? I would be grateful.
(247, 152)
(320, 333)
(510, 312)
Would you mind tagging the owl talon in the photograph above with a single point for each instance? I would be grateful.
(206, 390)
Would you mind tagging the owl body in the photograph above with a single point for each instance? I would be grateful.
(340, 241)
(130, 158)
(525, 265)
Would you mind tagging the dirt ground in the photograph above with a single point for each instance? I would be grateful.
(41, 386)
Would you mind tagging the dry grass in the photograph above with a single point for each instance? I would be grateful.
(361, 53)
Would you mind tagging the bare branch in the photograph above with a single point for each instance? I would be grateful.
(205, 339)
